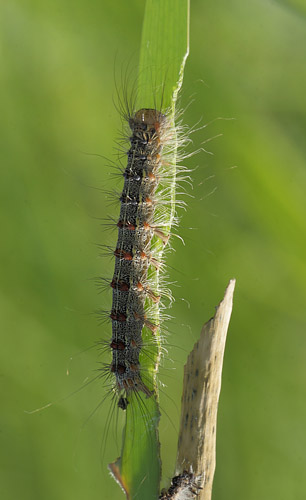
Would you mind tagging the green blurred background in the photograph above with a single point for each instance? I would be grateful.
(247, 62)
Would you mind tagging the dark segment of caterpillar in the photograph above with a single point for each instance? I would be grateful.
(133, 251)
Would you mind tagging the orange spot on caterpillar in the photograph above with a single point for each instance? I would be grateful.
(126, 225)
(122, 254)
(140, 288)
(157, 232)
(153, 261)
(151, 177)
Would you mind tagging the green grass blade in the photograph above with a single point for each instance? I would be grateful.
(164, 49)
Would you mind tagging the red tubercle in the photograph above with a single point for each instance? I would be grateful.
(153, 261)
(141, 288)
(119, 369)
(122, 254)
(117, 316)
(117, 345)
(120, 285)
(126, 225)
(143, 256)
(151, 177)
(147, 227)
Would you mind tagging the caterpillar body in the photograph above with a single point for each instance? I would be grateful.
(147, 215)
(134, 252)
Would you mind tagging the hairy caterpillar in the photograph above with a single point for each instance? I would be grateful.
(133, 252)
(150, 170)
(147, 213)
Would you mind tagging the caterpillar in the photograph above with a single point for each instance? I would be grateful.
(147, 213)
(133, 251)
